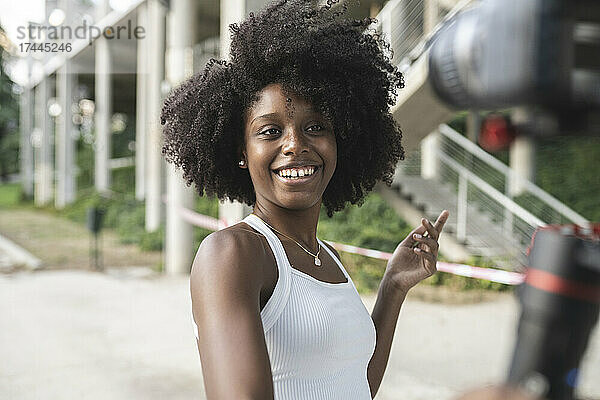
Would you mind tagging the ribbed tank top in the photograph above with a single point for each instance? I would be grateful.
(319, 335)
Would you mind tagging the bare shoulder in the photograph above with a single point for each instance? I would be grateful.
(231, 256)
(231, 243)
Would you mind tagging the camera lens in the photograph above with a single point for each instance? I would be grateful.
(560, 304)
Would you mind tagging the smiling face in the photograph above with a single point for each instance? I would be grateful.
(290, 150)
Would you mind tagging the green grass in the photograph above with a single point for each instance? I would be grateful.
(10, 195)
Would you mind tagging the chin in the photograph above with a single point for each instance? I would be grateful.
(299, 201)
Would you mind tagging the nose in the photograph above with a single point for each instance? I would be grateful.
(294, 142)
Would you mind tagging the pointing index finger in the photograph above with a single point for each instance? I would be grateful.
(441, 221)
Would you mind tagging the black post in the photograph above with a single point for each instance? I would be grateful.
(94, 224)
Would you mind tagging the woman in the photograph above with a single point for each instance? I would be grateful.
(298, 119)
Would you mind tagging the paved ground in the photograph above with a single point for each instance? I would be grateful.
(5, 261)
(69, 333)
(126, 334)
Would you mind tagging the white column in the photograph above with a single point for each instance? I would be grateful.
(429, 157)
(103, 109)
(65, 145)
(522, 163)
(179, 241)
(156, 74)
(141, 121)
(44, 172)
(431, 10)
(233, 11)
(26, 150)
(461, 208)
(473, 122)
(473, 125)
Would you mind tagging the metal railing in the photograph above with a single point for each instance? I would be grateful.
(403, 24)
(482, 186)
(539, 203)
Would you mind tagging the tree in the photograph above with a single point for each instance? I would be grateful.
(9, 117)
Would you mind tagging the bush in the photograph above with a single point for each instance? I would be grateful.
(122, 212)
(123, 180)
(374, 225)
(10, 194)
(126, 215)
(567, 168)
(152, 241)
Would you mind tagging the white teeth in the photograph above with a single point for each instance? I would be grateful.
(295, 173)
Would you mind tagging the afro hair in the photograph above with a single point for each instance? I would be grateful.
(341, 66)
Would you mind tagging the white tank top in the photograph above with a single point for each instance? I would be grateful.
(319, 335)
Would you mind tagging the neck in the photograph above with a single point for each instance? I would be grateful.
(301, 225)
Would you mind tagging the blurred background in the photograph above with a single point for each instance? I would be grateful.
(98, 233)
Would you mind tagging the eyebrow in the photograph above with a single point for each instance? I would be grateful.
(269, 115)
(274, 115)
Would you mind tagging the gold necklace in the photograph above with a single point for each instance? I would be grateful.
(316, 256)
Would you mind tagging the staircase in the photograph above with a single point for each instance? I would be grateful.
(482, 237)
(450, 172)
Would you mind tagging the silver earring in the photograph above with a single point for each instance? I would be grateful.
(242, 163)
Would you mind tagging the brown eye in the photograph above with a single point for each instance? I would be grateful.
(270, 132)
(314, 128)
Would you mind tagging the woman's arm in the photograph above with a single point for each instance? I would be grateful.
(408, 266)
(385, 315)
(225, 284)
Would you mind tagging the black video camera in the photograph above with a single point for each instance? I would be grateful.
(544, 56)
(560, 301)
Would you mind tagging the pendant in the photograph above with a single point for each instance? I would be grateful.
(317, 262)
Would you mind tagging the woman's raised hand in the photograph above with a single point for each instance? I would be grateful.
(415, 257)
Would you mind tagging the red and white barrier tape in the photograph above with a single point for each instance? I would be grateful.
(490, 274)
(202, 221)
